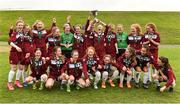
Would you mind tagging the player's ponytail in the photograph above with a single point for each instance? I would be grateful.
(165, 61)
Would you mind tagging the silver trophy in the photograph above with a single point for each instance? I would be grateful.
(94, 13)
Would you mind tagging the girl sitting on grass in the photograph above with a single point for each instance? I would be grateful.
(165, 74)
(75, 69)
(38, 69)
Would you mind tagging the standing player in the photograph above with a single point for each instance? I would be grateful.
(89, 33)
(110, 40)
(135, 37)
(39, 35)
(78, 38)
(53, 40)
(67, 40)
(28, 49)
(152, 39)
(121, 39)
(16, 55)
(99, 42)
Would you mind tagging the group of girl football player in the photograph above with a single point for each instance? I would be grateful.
(84, 56)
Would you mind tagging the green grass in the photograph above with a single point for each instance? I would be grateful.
(89, 95)
(167, 22)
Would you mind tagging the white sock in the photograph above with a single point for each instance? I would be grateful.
(63, 82)
(97, 77)
(24, 75)
(145, 77)
(18, 74)
(42, 80)
(70, 82)
(121, 77)
(115, 74)
(11, 75)
(133, 73)
(129, 78)
(157, 82)
(137, 77)
(104, 76)
(149, 73)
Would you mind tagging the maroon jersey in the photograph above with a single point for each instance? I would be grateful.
(79, 44)
(154, 36)
(99, 41)
(111, 40)
(88, 36)
(127, 62)
(17, 39)
(39, 38)
(170, 75)
(135, 41)
(38, 67)
(52, 41)
(91, 62)
(55, 67)
(15, 57)
(28, 45)
(142, 60)
(74, 68)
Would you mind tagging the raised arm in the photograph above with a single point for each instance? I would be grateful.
(53, 25)
(69, 22)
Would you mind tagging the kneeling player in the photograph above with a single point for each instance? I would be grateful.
(165, 75)
(92, 65)
(126, 62)
(75, 68)
(144, 59)
(55, 65)
(108, 71)
(38, 69)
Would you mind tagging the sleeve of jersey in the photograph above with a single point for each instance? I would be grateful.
(44, 68)
(49, 30)
(12, 38)
(64, 68)
(85, 70)
(119, 63)
(87, 24)
(106, 30)
(134, 63)
(144, 39)
(115, 39)
(171, 78)
(71, 28)
(158, 38)
(26, 61)
(10, 32)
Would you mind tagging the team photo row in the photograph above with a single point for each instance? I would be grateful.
(81, 56)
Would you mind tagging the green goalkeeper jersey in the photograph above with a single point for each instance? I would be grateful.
(122, 40)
